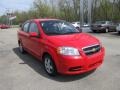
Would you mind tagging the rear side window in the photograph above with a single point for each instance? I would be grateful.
(25, 27)
(33, 28)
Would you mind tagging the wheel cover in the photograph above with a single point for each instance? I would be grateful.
(107, 30)
(48, 65)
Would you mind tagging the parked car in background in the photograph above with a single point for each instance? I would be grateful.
(103, 26)
(83, 28)
(118, 28)
(60, 46)
(3, 26)
(76, 24)
(86, 27)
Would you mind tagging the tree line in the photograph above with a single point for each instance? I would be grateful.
(69, 10)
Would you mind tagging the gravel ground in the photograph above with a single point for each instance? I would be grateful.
(24, 72)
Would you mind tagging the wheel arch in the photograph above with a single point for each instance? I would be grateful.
(53, 56)
(53, 60)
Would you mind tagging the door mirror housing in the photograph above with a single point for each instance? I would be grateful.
(33, 34)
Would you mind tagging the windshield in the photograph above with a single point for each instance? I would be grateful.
(58, 27)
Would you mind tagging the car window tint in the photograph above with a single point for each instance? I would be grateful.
(111, 23)
(58, 27)
(100, 22)
(25, 27)
(33, 28)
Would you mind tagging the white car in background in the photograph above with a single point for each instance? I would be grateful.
(118, 28)
(84, 28)
(76, 24)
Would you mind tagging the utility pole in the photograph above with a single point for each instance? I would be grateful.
(85, 11)
(90, 11)
(9, 14)
(81, 13)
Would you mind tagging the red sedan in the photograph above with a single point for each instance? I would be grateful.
(3, 26)
(60, 46)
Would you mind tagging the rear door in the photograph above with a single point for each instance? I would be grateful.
(24, 34)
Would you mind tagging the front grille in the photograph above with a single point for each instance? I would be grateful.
(90, 50)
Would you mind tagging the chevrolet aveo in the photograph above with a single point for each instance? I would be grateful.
(60, 46)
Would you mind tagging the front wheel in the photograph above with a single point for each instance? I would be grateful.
(106, 30)
(49, 65)
(118, 32)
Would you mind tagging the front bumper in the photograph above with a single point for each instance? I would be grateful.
(80, 64)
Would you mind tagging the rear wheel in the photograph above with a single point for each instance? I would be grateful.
(21, 49)
(94, 31)
(49, 65)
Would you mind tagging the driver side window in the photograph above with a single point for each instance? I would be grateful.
(25, 27)
(33, 28)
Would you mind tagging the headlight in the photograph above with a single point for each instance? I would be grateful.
(68, 51)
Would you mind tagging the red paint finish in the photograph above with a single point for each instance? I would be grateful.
(65, 64)
(3, 26)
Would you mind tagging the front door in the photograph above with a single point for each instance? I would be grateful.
(34, 42)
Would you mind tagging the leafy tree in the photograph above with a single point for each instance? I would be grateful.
(70, 10)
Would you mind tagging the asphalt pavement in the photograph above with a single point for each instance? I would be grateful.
(24, 72)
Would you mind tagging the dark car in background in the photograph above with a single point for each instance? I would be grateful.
(118, 28)
(103, 26)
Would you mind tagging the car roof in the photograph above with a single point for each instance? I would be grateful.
(46, 19)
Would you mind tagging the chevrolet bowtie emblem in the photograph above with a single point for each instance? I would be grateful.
(94, 49)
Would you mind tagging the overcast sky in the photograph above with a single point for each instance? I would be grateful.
(13, 5)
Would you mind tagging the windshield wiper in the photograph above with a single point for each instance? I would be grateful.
(53, 33)
(70, 32)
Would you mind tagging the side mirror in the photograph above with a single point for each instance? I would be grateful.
(33, 34)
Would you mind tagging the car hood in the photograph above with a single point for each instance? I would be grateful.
(75, 40)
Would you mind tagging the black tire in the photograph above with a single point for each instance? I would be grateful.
(94, 31)
(118, 32)
(21, 48)
(49, 65)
